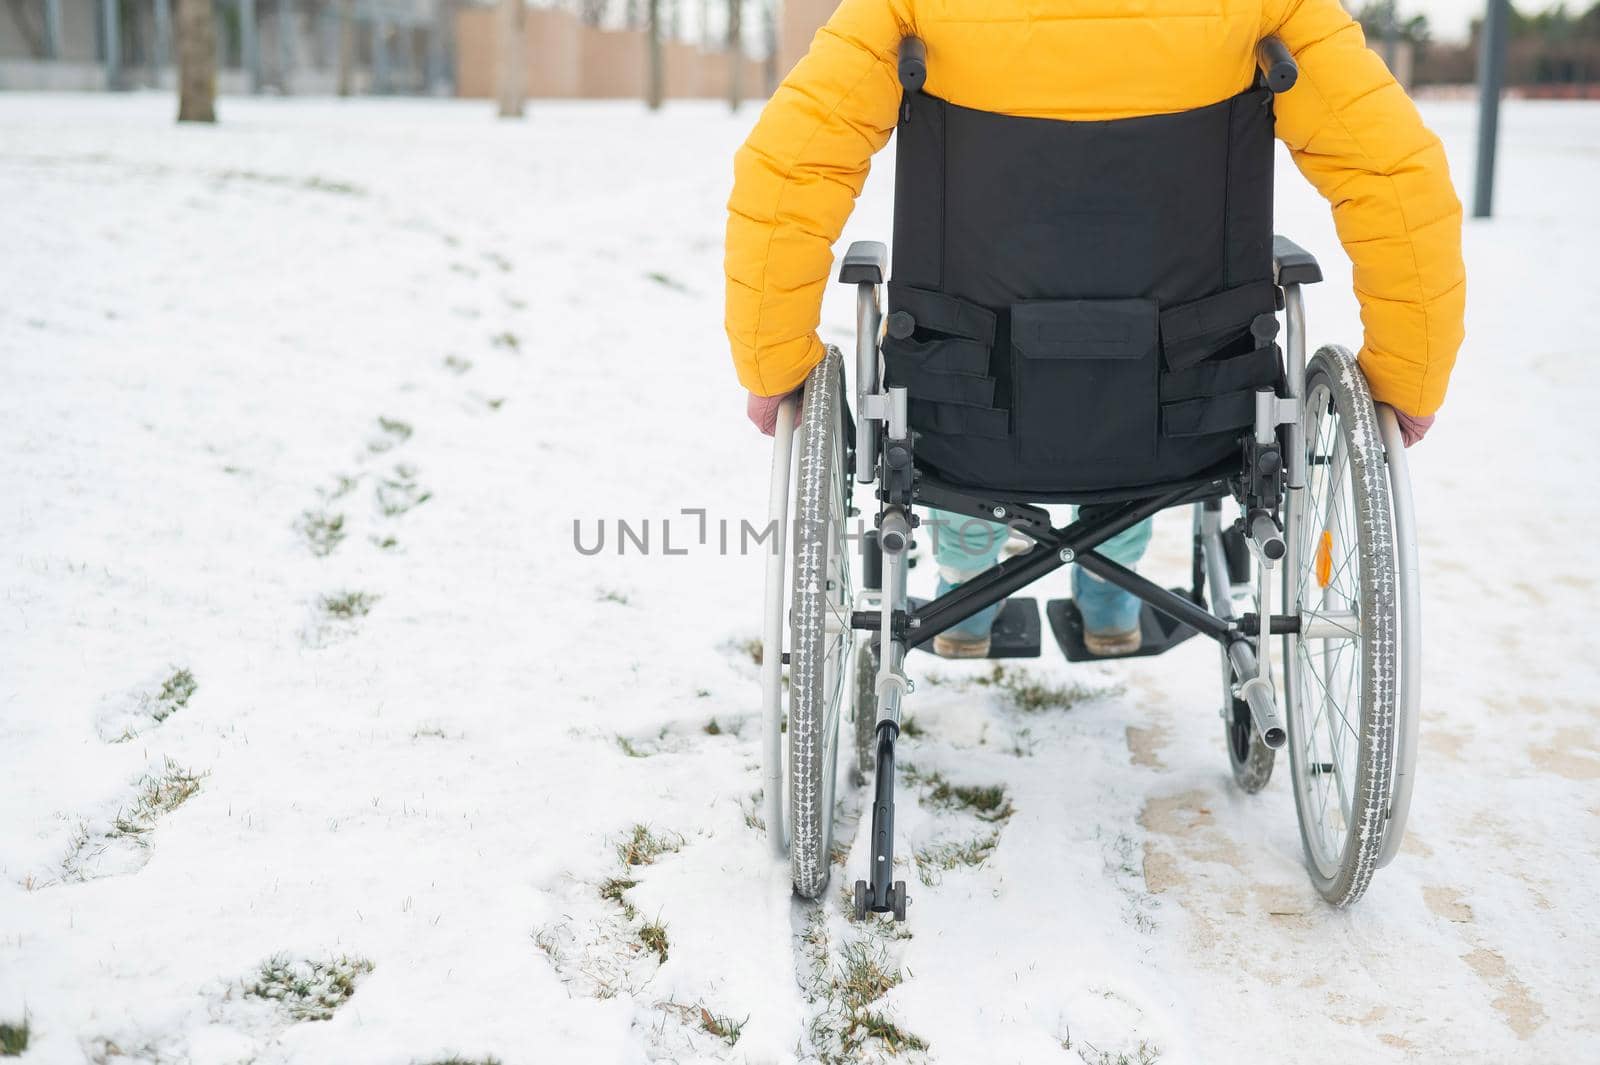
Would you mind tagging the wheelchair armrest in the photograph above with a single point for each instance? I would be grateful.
(865, 263)
(1292, 264)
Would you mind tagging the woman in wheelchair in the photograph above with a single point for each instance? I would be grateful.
(1085, 309)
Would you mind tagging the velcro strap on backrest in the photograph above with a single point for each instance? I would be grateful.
(1202, 417)
(1188, 330)
(943, 314)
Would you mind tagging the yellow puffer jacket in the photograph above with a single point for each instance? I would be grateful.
(1352, 130)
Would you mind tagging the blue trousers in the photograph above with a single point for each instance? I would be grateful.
(964, 547)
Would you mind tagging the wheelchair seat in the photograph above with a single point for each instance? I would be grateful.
(1082, 310)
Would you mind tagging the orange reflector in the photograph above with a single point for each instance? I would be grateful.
(1325, 558)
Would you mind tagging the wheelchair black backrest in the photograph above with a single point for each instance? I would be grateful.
(1081, 306)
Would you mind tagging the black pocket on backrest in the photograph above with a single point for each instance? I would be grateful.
(1084, 379)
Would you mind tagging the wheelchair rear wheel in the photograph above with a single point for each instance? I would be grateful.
(1340, 670)
(820, 637)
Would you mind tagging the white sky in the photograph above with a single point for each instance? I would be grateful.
(1451, 19)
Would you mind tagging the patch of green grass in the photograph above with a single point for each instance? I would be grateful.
(174, 695)
(644, 845)
(989, 803)
(629, 749)
(911, 728)
(712, 728)
(347, 606)
(938, 858)
(395, 432)
(752, 811)
(749, 647)
(308, 990)
(1031, 695)
(323, 532)
(344, 484)
(653, 934)
(722, 1026)
(615, 889)
(507, 340)
(314, 183)
(1144, 1054)
(871, 1025)
(667, 281)
(158, 795)
(456, 364)
(862, 977)
(611, 595)
(399, 492)
(13, 1038)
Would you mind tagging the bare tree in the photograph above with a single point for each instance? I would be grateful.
(654, 74)
(197, 62)
(511, 85)
(347, 46)
(735, 52)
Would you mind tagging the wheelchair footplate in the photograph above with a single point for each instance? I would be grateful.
(1016, 632)
(1161, 633)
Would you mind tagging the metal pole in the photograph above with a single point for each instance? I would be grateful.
(113, 43)
(163, 35)
(436, 56)
(285, 43)
(1491, 77)
(52, 29)
(380, 55)
(249, 45)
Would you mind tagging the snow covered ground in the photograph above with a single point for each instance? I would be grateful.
(320, 741)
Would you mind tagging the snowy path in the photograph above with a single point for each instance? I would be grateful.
(321, 741)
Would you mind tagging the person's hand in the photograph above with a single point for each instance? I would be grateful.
(1412, 428)
(763, 411)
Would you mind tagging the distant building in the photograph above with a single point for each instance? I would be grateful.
(400, 46)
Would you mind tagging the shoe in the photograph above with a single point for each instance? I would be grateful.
(1110, 616)
(970, 638)
(1112, 644)
(960, 645)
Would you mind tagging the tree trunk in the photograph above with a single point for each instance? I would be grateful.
(347, 47)
(197, 62)
(510, 70)
(735, 53)
(654, 74)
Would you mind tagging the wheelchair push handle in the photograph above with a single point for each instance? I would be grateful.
(913, 63)
(1277, 66)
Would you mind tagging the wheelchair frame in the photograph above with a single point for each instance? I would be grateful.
(1271, 479)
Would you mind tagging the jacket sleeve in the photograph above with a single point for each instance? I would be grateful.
(1358, 138)
(795, 181)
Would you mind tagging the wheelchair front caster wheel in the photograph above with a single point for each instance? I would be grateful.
(1248, 754)
(898, 900)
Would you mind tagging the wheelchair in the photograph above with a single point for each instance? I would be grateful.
(1102, 334)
